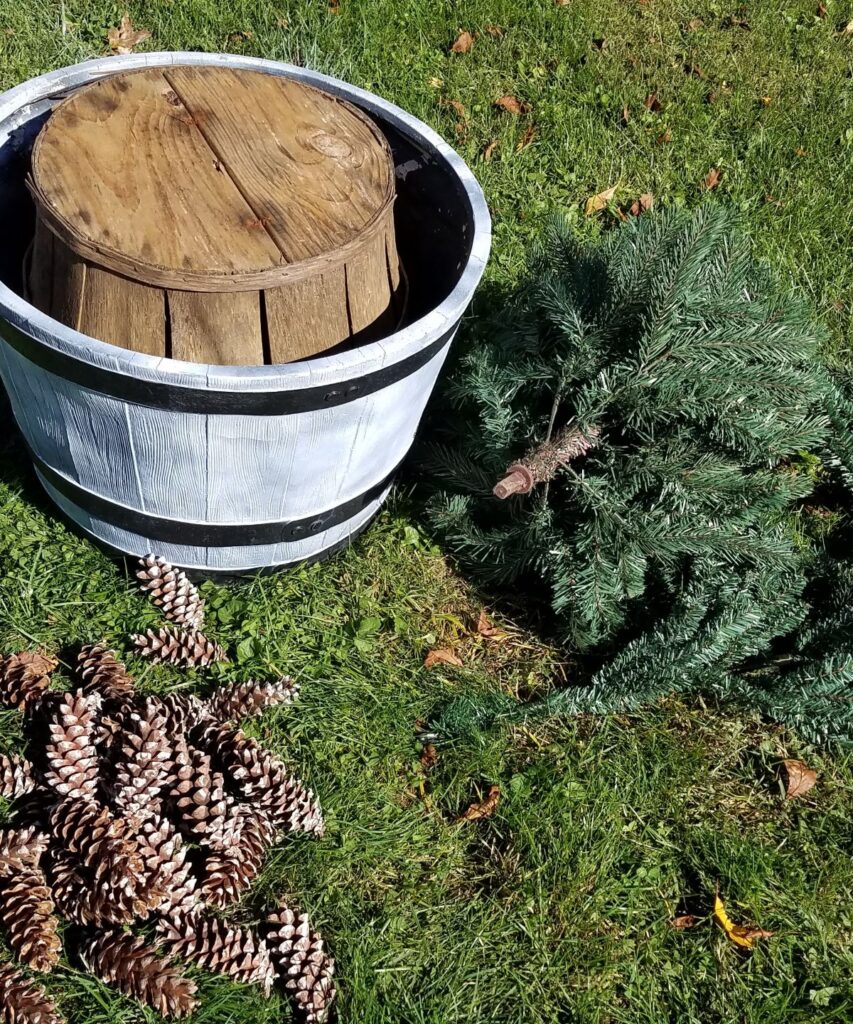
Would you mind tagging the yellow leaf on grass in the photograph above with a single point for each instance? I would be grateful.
(741, 935)
(599, 201)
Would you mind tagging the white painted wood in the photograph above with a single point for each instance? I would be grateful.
(208, 467)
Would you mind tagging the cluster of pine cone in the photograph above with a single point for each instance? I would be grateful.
(155, 809)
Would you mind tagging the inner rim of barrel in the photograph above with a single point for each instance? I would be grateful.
(25, 103)
(159, 276)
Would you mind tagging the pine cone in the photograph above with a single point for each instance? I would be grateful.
(23, 1002)
(107, 848)
(180, 712)
(231, 869)
(33, 809)
(102, 673)
(262, 779)
(16, 776)
(198, 792)
(302, 962)
(220, 947)
(126, 962)
(71, 754)
(144, 762)
(178, 647)
(26, 911)
(21, 849)
(23, 676)
(80, 900)
(167, 872)
(233, 701)
(170, 589)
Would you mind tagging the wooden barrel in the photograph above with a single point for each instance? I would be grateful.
(214, 215)
(222, 467)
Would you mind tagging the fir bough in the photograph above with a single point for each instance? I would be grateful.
(660, 396)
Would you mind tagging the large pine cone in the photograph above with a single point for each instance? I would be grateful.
(102, 673)
(16, 776)
(26, 910)
(21, 849)
(106, 847)
(198, 793)
(144, 761)
(234, 865)
(180, 712)
(24, 676)
(167, 871)
(235, 701)
(178, 647)
(262, 779)
(220, 947)
(23, 1002)
(134, 968)
(302, 962)
(80, 900)
(71, 754)
(170, 589)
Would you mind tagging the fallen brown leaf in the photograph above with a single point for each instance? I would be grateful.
(626, 114)
(334, 6)
(429, 756)
(683, 922)
(490, 149)
(847, 30)
(821, 10)
(740, 934)
(735, 21)
(124, 38)
(442, 656)
(484, 808)
(652, 103)
(712, 179)
(486, 628)
(526, 139)
(237, 37)
(799, 778)
(599, 201)
(463, 44)
(494, 30)
(455, 105)
(512, 105)
(664, 137)
(641, 204)
(694, 24)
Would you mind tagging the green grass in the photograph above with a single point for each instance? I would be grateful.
(557, 908)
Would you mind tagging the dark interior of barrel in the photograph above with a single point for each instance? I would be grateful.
(433, 217)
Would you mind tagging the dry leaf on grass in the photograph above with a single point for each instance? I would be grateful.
(664, 137)
(429, 755)
(847, 30)
(694, 24)
(489, 151)
(799, 778)
(456, 105)
(526, 139)
(599, 201)
(652, 103)
(821, 10)
(494, 30)
(442, 656)
(741, 935)
(123, 39)
(463, 44)
(712, 178)
(486, 628)
(484, 808)
(626, 114)
(641, 204)
(512, 105)
(683, 922)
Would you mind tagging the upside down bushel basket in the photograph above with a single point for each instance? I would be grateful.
(228, 288)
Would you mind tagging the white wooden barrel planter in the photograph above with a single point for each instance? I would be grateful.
(235, 468)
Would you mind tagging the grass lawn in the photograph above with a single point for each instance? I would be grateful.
(557, 908)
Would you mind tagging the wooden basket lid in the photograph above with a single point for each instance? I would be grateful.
(211, 179)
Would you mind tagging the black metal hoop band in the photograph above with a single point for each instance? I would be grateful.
(163, 395)
(174, 531)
